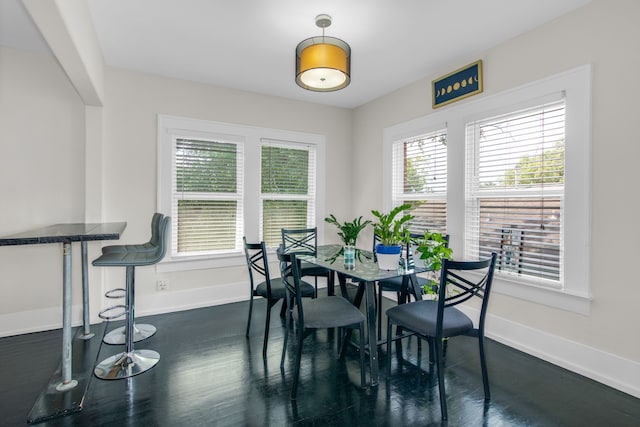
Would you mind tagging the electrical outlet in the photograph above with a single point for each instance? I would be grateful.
(162, 285)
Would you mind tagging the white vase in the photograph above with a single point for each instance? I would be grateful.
(388, 261)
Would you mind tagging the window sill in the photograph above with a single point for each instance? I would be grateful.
(185, 264)
(556, 298)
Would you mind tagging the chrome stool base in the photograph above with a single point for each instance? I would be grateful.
(140, 332)
(126, 365)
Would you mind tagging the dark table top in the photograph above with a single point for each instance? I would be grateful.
(61, 233)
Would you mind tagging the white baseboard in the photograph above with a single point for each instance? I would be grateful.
(26, 322)
(168, 302)
(606, 368)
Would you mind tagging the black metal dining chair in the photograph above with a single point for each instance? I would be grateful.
(437, 320)
(270, 289)
(304, 241)
(320, 313)
(401, 285)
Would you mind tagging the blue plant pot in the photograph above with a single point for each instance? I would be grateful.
(388, 250)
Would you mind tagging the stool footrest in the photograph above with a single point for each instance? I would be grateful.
(116, 293)
(104, 316)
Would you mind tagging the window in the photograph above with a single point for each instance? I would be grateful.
(518, 183)
(515, 190)
(207, 196)
(287, 188)
(220, 182)
(420, 178)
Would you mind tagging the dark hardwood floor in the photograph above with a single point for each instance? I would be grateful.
(211, 375)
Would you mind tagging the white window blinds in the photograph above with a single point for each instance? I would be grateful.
(288, 188)
(208, 196)
(515, 190)
(420, 178)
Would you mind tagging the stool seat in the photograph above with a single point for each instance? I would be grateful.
(150, 246)
(132, 362)
(130, 258)
(144, 247)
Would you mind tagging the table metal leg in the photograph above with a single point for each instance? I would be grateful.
(370, 299)
(415, 287)
(67, 382)
(86, 321)
(331, 283)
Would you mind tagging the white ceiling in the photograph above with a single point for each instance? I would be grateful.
(250, 44)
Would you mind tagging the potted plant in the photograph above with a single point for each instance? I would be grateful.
(428, 253)
(393, 234)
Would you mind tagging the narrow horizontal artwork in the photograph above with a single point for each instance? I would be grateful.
(457, 85)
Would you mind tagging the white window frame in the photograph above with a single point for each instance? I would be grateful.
(397, 189)
(310, 197)
(171, 126)
(575, 292)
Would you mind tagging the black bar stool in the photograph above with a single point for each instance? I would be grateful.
(130, 362)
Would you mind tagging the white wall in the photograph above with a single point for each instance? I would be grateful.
(42, 175)
(604, 34)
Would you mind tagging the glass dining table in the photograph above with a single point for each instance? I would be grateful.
(365, 272)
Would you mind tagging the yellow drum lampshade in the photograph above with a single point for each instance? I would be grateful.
(323, 64)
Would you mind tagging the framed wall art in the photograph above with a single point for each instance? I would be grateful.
(457, 85)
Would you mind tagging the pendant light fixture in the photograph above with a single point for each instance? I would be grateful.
(323, 64)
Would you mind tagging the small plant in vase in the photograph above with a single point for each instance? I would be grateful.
(393, 234)
(349, 231)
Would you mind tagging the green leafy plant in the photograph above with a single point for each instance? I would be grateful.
(431, 288)
(349, 231)
(433, 247)
(390, 230)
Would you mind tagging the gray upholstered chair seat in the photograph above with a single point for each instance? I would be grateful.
(278, 290)
(421, 316)
(329, 312)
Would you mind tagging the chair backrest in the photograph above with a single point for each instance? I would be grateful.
(256, 255)
(159, 250)
(456, 286)
(376, 240)
(290, 271)
(300, 241)
(156, 224)
(163, 235)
